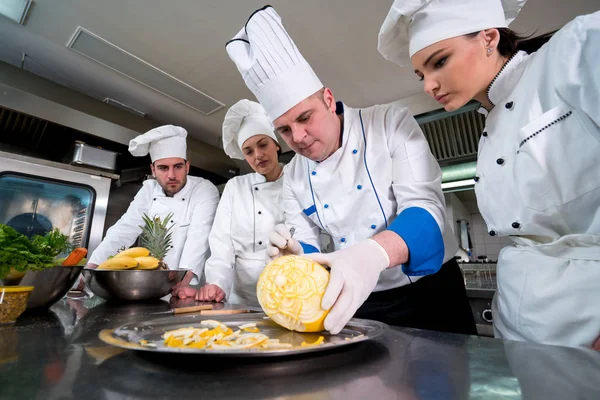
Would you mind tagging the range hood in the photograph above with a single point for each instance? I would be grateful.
(37, 113)
(453, 138)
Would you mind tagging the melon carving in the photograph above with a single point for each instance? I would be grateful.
(290, 290)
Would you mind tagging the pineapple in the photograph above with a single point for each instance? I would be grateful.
(157, 237)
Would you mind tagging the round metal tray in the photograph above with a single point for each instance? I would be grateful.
(129, 336)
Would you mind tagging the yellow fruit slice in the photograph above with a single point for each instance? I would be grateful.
(134, 252)
(317, 342)
(119, 263)
(147, 263)
(290, 290)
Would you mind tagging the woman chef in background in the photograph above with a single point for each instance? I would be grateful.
(249, 209)
(538, 177)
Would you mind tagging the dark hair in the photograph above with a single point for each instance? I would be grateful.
(279, 151)
(510, 42)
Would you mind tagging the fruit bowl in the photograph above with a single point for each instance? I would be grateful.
(13, 301)
(132, 285)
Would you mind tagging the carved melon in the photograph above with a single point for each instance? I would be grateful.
(290, 290)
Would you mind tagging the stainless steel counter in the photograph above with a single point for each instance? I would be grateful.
(58, 355)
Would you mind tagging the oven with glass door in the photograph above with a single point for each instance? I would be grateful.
(38, 195)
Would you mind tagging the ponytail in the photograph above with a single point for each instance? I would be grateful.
(510, 42)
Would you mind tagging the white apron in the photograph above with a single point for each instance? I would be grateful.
(539, 183)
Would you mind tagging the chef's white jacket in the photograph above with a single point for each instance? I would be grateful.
(538, 182)
(249, 209)
(382, 177)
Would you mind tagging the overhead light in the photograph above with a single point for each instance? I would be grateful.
(15, 9)
(125, 107)
(457, 186)
(112, 56)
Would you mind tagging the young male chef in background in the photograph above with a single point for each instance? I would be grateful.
(368, 179)
(192, 201)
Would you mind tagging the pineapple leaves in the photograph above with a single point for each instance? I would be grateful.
(156, 235)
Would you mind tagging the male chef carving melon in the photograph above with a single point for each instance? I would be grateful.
(290, 290)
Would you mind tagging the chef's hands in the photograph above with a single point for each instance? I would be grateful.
(354, 274)
(183, 291)
(281, 242)
(210, 293)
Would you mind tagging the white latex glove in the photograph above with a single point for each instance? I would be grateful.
(354, 274)
(281, 242)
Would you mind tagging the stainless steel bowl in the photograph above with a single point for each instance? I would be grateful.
(49, 285)
(132, 285)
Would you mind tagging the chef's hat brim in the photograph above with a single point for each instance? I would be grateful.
(242, 121)
(167, 141)
(412, 25)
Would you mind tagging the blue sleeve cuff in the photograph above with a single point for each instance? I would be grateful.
(309, 248)
(422, 235)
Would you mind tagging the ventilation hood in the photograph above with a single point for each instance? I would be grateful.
(31, 116)
(453, 138)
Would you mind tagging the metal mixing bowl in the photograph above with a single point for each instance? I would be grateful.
(132, 285)
(50, 285)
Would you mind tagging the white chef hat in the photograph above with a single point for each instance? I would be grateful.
(163, 142)
(243, 120)
(412, 25)
(271, 64)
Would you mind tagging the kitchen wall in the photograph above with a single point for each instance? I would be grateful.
(463, 205)
(483, 243)
(118, 202)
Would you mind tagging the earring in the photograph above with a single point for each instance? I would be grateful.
(489, 51)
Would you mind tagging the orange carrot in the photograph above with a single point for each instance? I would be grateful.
(75, 256)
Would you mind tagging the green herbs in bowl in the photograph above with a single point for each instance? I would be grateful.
(19, 254)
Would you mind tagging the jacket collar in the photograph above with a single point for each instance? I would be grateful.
(258, 178)
(506, 79)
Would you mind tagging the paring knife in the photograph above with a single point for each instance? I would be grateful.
(203, 310)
